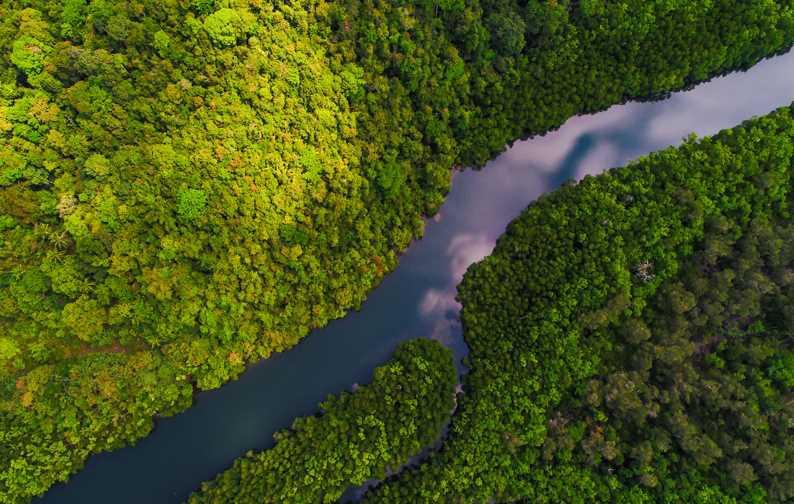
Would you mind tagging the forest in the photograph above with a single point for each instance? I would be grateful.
(188, 186)
(632, 338)
(358, 437)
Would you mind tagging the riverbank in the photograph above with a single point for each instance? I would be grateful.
(418, 298)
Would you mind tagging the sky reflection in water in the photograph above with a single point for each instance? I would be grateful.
(416, 300)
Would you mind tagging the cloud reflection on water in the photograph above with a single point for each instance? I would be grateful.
(602, 156)
(546, 153)
(437, 302)
(483, 202)
(464, 250)
(417, 299)
(440, 305)
(724, 102)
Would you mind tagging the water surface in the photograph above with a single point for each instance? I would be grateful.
(418, 299)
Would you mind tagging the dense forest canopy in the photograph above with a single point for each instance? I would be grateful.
(632, 338)
(695, 395)
(187, 186)
(359, 436)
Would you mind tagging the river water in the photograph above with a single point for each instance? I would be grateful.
(418, 299)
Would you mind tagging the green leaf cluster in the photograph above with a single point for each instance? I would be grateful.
(367, 434)
(57, 415)
(203, 182)
(631, 338)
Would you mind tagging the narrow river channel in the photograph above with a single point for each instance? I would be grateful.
(418, 299)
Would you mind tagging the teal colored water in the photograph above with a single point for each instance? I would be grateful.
(418, 299)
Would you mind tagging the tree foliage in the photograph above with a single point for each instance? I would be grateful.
(202, 182)
(358, 436)
(596, 380)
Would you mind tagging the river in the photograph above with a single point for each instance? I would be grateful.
(418, 299)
